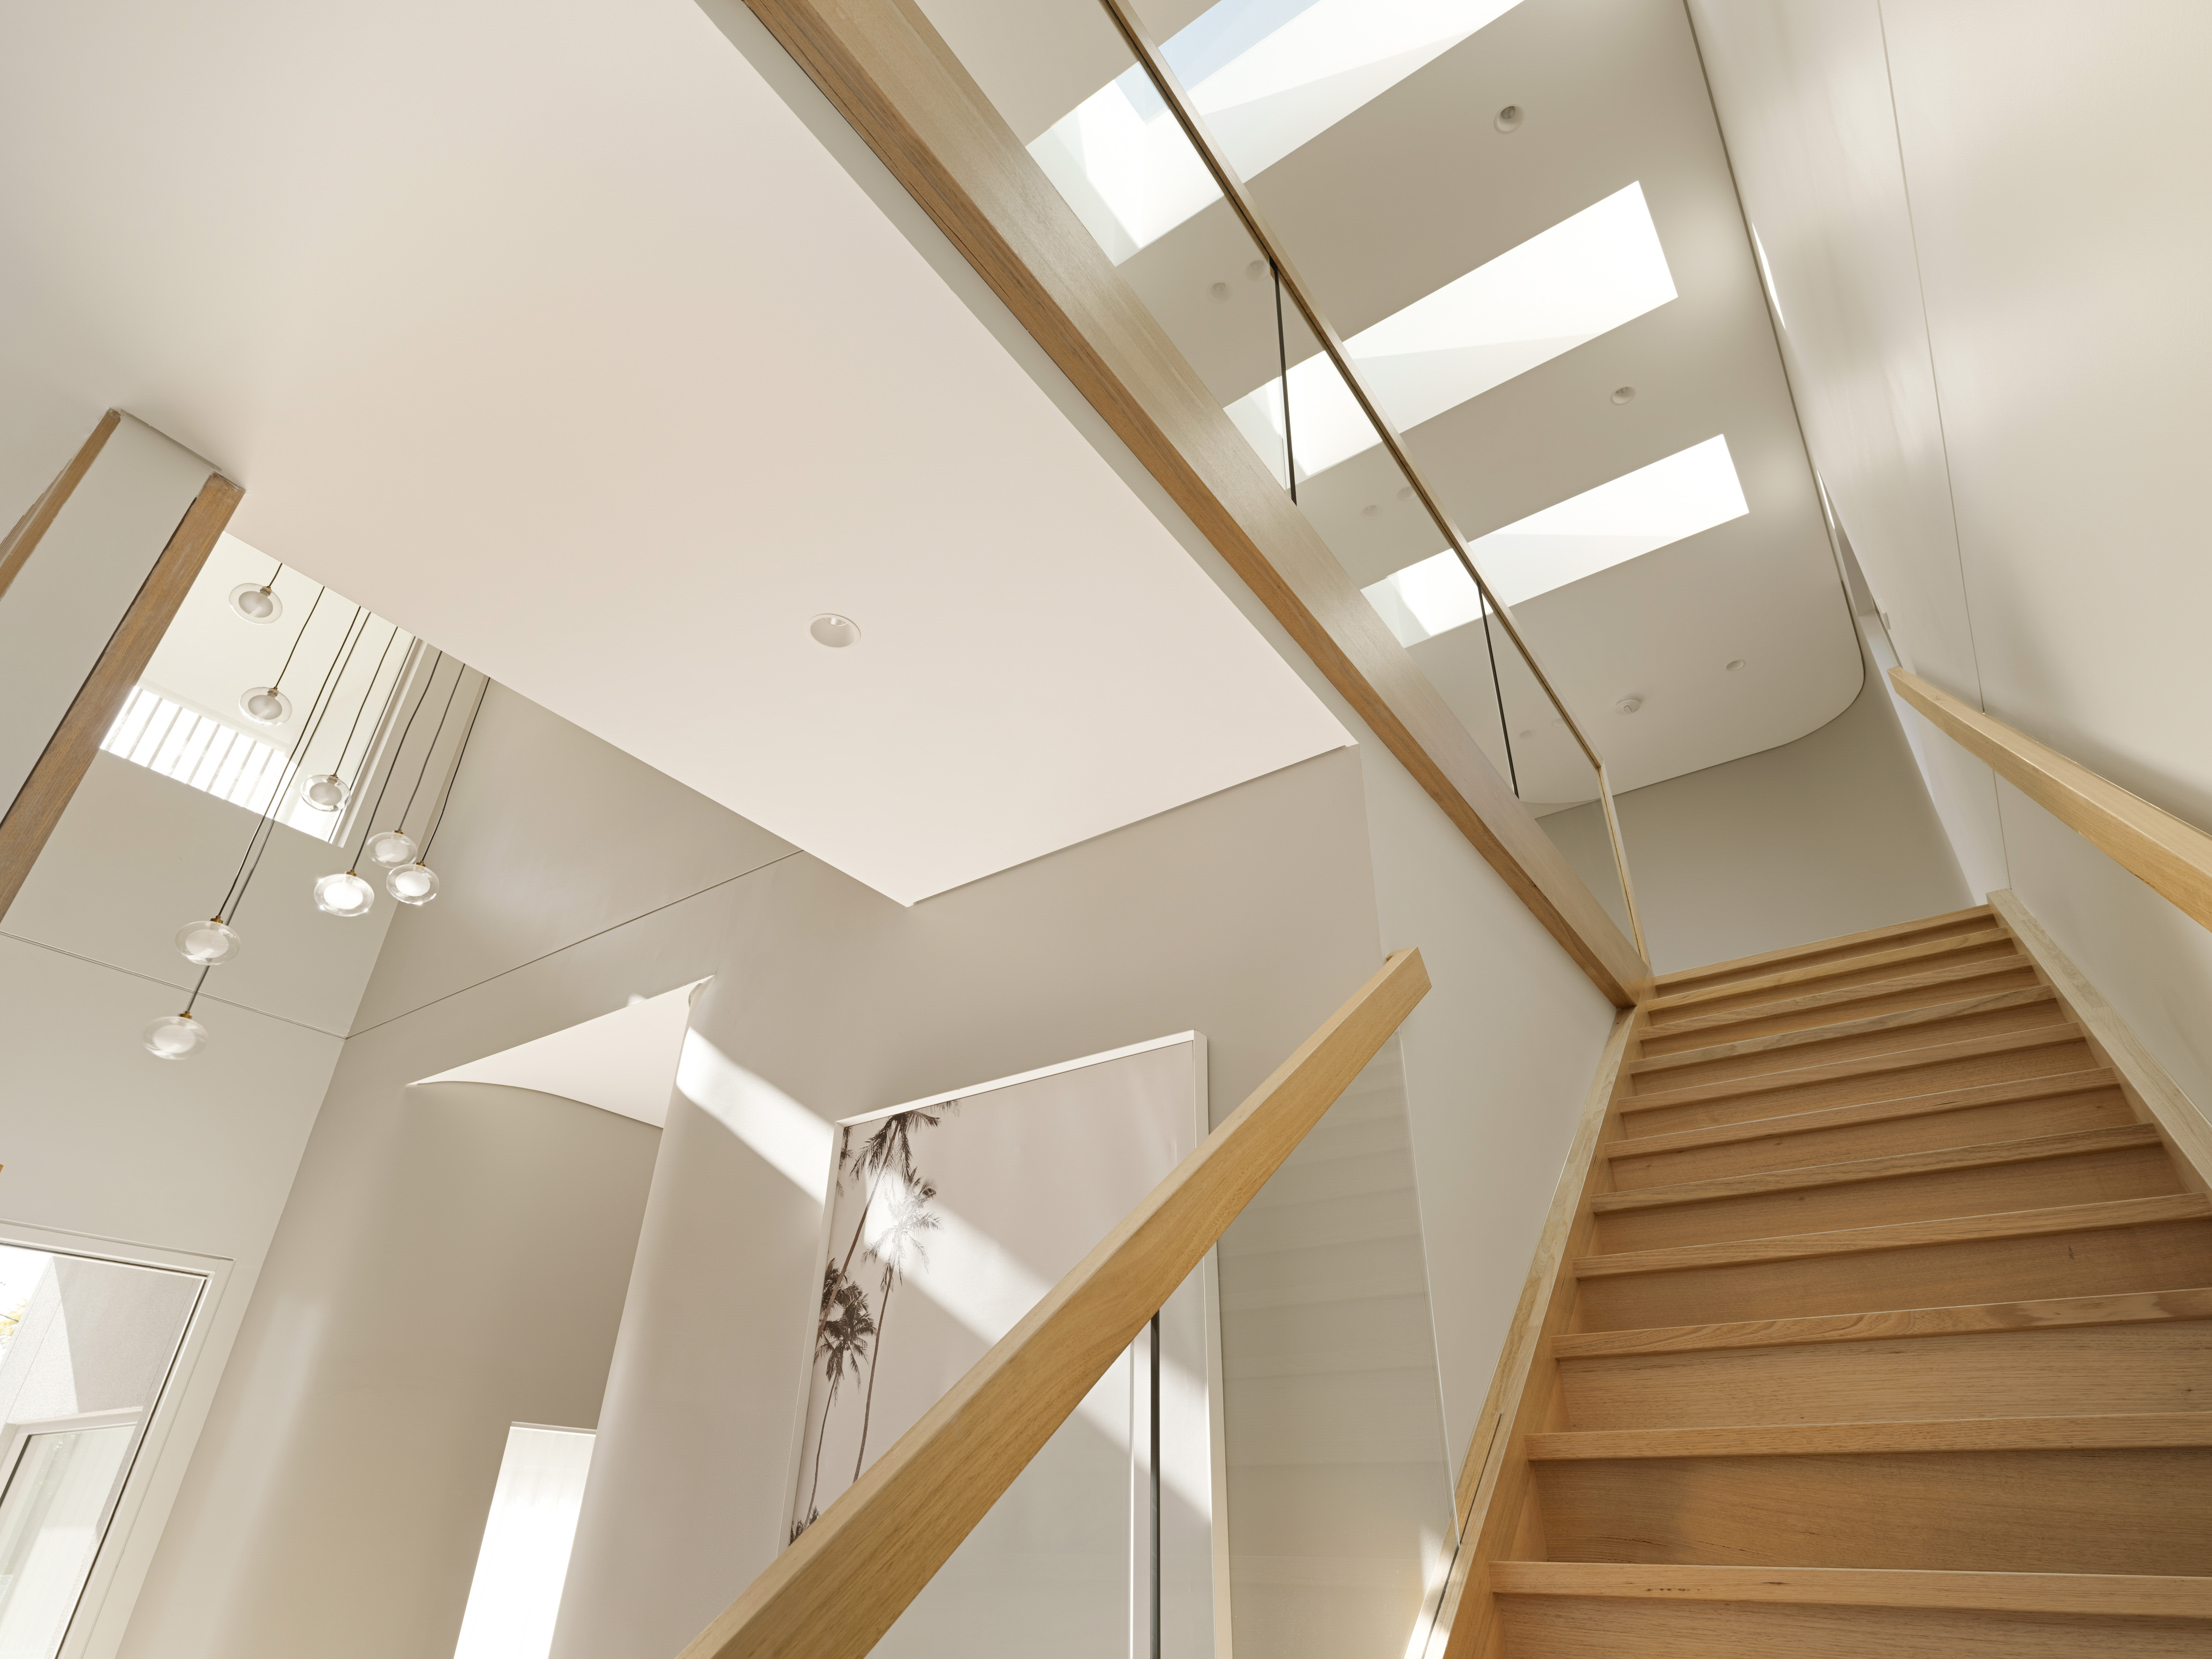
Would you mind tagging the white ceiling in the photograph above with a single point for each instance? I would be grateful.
(548, 331)
(1418, 187)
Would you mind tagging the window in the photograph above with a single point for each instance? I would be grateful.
(1635, 514)
(524, 1559)
(85, 1348)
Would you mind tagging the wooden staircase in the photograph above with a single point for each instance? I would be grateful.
(1883, 1326)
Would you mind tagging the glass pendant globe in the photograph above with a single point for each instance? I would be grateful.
(255, 602)
(174, 1036)
(264, 705)
(389, 847)
(344, 894)
(412, 884)
(325, 792)
(208, 944)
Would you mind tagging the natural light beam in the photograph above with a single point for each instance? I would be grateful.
(1269, 75)
(1635, 514)
(1583, 277)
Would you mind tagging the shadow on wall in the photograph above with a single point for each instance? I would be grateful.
(1831, 834)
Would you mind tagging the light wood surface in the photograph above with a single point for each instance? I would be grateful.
(2117, 1431)
(2045, 1313)
(1785, 1051)
(1823, 952)
(23, 540)
(45, 794)
(1828, 1007)
(2156, 1097)
(2038, 1051)
(834, 1593)
(1999, 1592)
(1563, 1627)
(2037, 1370)
(886, 71)
(2173, 857)
(1991, 940)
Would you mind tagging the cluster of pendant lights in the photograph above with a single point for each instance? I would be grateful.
(208, 944)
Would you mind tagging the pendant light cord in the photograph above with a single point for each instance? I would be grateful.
(304, 624)
(398, 749)
(451, 777)
(194, 998)
(339, 770)
(424, 771)
(325, 697)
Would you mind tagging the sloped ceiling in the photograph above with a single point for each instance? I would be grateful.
(548, 330)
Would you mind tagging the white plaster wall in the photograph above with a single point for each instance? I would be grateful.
(1987, 221)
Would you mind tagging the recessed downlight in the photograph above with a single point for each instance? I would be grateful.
(1737, 664)
(834, 630)
(1370, 509)
(1509, 119)
(1257, 271)
(1623, 394)
(1219, 290)
(1630, 703)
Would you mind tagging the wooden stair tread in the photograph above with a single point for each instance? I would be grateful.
(2011, 1224)
(1875, 1169)
(1872, 1111)
(1905, 958)
(1859, 1065)
(1843, 997)
(1844, 944)
(1903, 1021)
(2054, 1313)
(2093, 1593)
(2118, 1432)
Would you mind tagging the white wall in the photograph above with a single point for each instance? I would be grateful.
(1832, 833)
(1987, 222)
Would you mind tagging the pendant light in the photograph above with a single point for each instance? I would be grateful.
(267, 705)
(258, 605)
(177, 1036)
(412, 884)
(325, 792)
(344, 893)
(417, 883)
(209, 944)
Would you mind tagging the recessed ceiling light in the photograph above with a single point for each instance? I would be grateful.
(1509, 118)
(1405, 492)
(1257, 271)
(1219, 290)
(1623, 394)
(1737, 664)
(1630, 703)
(1371, 510)
(834, 630)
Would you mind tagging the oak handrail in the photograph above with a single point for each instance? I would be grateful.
(834, 1593)
(2171, 857)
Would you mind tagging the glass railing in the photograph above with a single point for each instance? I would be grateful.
(1151, 168)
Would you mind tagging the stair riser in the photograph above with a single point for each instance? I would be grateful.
(1838, 979)
(1662, 1041)
(2122, 1511)
(1796, 1056)
(2061, 1054)
(2161, 1367)
(1990, 1189)
(1972, 1126)
(2161, 1255)
(1578, 1627)
(1837, 955)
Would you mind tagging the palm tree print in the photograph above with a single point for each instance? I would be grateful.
(842, 1340)
(899, 1241)
(891, 1147)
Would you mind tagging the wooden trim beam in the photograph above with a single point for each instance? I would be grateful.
(23, 540)
(886, 71)
(2083, 1594)
(2171, 857)
(834, 1592)
(38, 805)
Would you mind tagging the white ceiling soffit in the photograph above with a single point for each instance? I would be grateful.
(622, 1062)
(548, 331)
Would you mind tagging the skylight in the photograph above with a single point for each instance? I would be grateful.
(1634, 514)
(1583, 277)
(1269, 75)
(164, 736)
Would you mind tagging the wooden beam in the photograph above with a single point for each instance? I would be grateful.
(2152, 1094)
(885, 69)
(38, 805)
(2171, 857)
(834, 1592)
(23, 540)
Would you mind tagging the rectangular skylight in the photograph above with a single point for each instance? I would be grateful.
(1583, 277)
(1635, 514)
(1269, 75)
(164, 736)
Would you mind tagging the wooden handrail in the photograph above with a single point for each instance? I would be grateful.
(2171, 857)
(834, 1592)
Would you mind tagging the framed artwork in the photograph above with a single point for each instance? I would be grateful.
(948, 1218)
